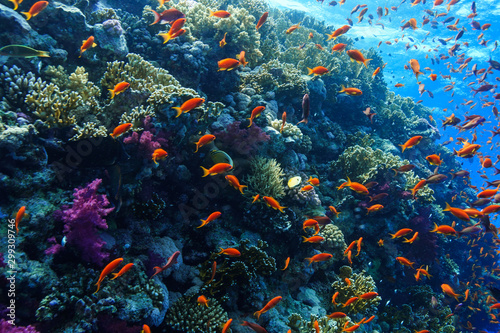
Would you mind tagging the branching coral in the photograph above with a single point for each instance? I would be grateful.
(326, 325)
(14, 85)
(266, 177)
(360, 283)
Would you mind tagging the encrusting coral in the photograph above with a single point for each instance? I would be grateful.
(334, 241)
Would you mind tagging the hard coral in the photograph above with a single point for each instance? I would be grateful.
(83, 220)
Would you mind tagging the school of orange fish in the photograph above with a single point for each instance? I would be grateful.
(468, 150)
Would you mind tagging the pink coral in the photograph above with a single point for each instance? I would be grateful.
(244, 141)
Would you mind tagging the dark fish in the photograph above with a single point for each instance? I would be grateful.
(442, 41)
(411, 39)
(333, 3)
(494, 183)
(378, 197)
(459, 35)
(437, 178)
(404, 168)
(21, 51)
(475, 25)
(349, 21)
(449, 19)
(421, 88)
(380, 12)
(431, 95)
(473, 7)
(368, 112)
(355, 9)
(371, 184)
(305, 109)
(494, 64)
(461, 173)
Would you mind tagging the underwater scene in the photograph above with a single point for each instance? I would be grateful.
(287, 166)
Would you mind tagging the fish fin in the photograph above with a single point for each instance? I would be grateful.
(15, 4)
(44, 54)
(178, 109)
(403, 146)
(115, 275)
(94, 45)
(27, 14)
(112, 93)
(447, 207)
(202, 223)
(166, 37)
(211, 13)
(310, 71)
(241, 188)
(205, 171)
(366, 61)
(250, 122)
(157, 17)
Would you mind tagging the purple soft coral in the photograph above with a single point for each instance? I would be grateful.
(83, 220)
(244, 141)
(7, 327)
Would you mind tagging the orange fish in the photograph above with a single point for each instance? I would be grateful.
(351, 91)
(313, 181)
(434, 159)
(262, 20)
(339, 47)
(306, 188)
(228, 64)
(401, 233)
(271, 304)
(226, 325)
(415, 67)
(175, 30)
(336, 315)
(119, 88)
(211, 217)
(220, 14)
(375, 72)
(334, 297)
(204, 140)
(319, 257)
(287, 262)
(350, 301)
(357, 56)
(412, 142)
(188, 105)
(19, 216)
(380, 242)
(222, 42)
(241, 58)
(418, 186)
(340, 31)
(159, 154)
(108, 269)
(202, 300)
(369, 295)
(399, 85)
(216, 169)
(433, 77)
(334, 211)
(357, 187)
(459, 213)
(292, 28)
(448, 290)
(313, 239)
(122, 271)
(87, 44)
(405, 262)
(234, 182)
(283, 121)
(487, 193)
(359, 242)
(271, 202)
(311, 224)
(35, 9)
(231, 252)
(411, 240)
(255, 113)
(255, 198)
(16, 3)
(319, 70)
(120, 129)
(444, 229)
(374, 208)
(145, 329)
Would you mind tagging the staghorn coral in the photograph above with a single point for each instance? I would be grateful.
(89, 130)
(360, 283)
(297, 324)
(186, 315)
(136, 116)
(266, 177)
(334, 241)
(254, 262)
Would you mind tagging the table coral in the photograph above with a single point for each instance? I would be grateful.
(360, 283)
(266, 177)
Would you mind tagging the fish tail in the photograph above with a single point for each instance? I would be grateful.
(366, 62)
(281, 209)
(310, 71)
(211, 13)
(112, 93)
(178, 110)
(305, 239)
(329, 37)
(157, 270)
(205, 171)
(203, 222)
(44, 54)
(257, 314)
(241, 188)
(343, 89)
(166, 37)
(447, 207)
(404, 147)
(395, 172)
(15, 4)
(157, 17)
(250, 122)
(27, 14)
(115, 275)
(197, 146)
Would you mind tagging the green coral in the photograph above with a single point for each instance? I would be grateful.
(360, 283)
(334, 241)
(266, 177)
(186, 315)
(326, 325)
(253, 262)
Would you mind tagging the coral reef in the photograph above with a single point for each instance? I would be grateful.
(334, 241)
(242, 140)
(266, 177)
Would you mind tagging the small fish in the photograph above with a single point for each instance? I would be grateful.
(21, 51)
(448, 290)
(234, 182)
(159, 154)
(19, 216)
(204, 140)
(271, 202)
(35, 9)
(220, 14)
(287, 262)
(283, 121)
(292, 28)
(319, 257)
(231, 252)
(202, 300)
(188, 105)
(175, 30)
(216, 169)
(122, 271)
(211, 217)
(305, 109)
(313, 239)
(145, 329)
(172, 260)
(119, 88)
(226, 325)
(262, 20)
(108, 269)
(319, 70)
(306, 188)
(87, 44)
(351, 91)
(167, 16)
(257, 328)
(405, 262)
(271, 304)
(120, 129)
(412, 142)
(374, 208)
(401, 233)
(255, 113)
(223, 42)
(357, 56)
(228, 64)
(241, 58)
